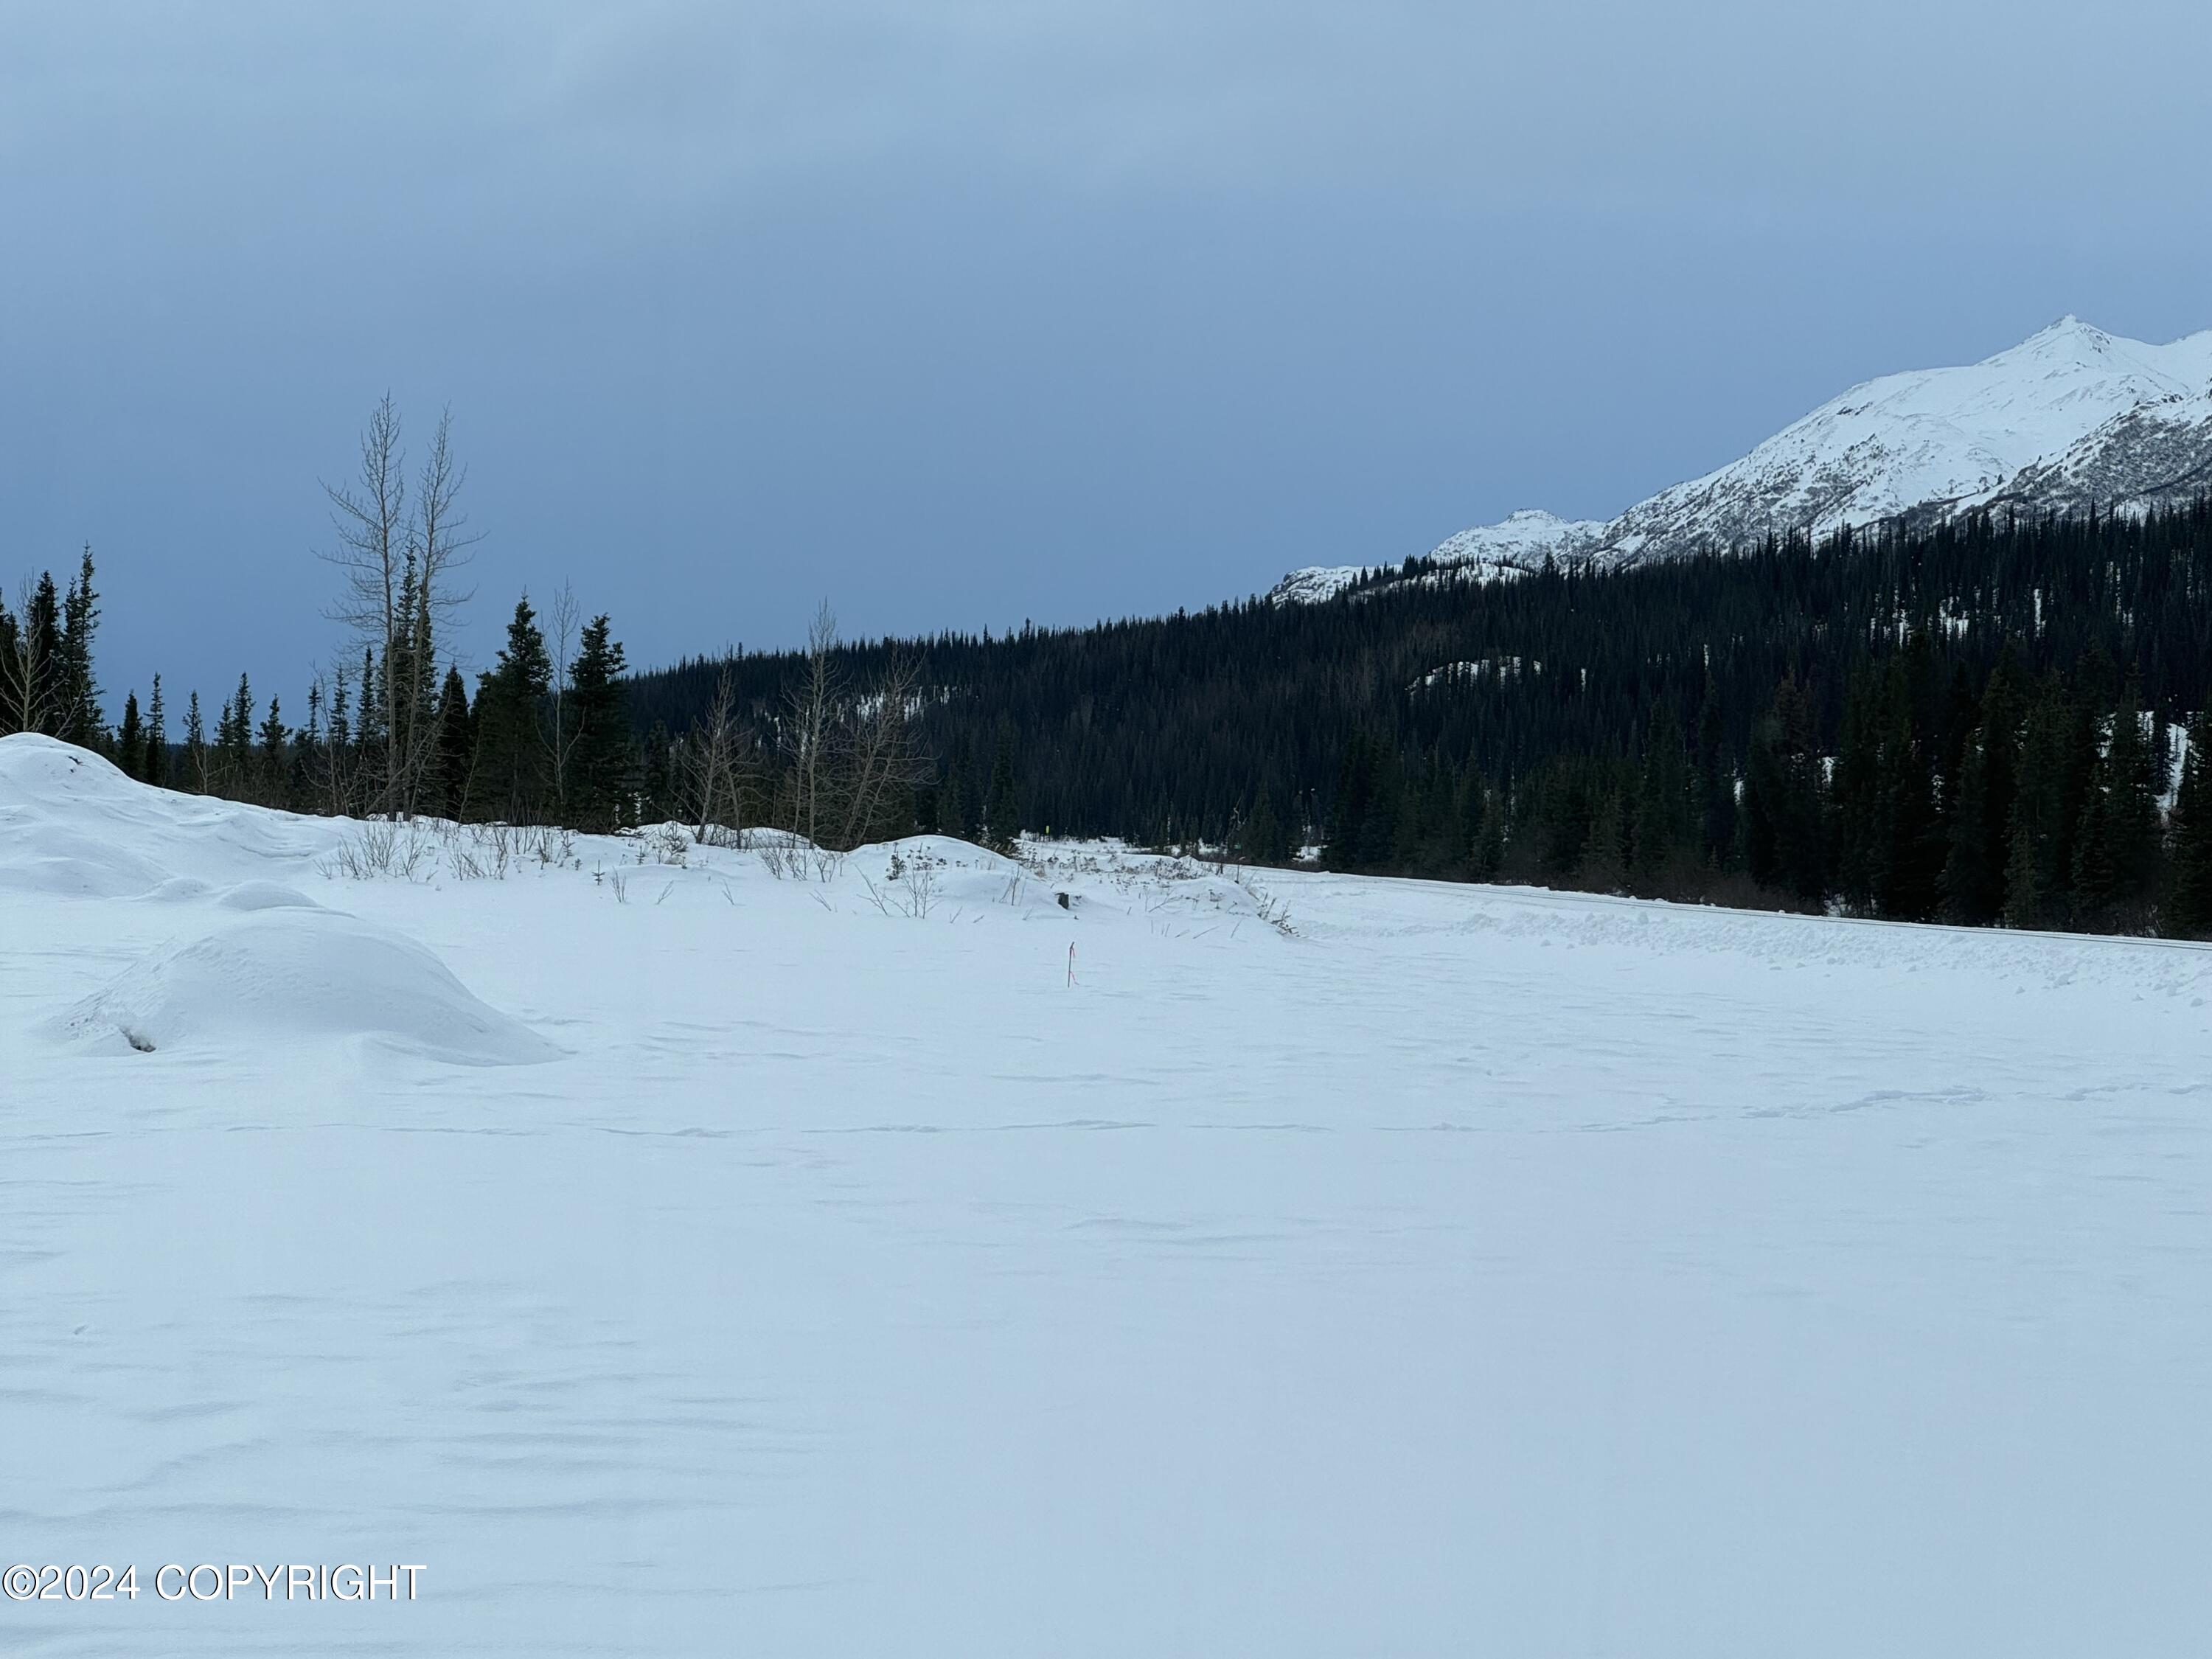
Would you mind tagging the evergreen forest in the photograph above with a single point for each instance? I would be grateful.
(1985, 722)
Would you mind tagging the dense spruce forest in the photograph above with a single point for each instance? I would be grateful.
(1978, 722)
(1985, 722)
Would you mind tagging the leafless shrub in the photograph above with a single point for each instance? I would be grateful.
(380, 848)
(667, 844)
(909, 889)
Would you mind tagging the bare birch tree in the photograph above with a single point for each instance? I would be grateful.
(853, 756)
(879, 763)
(441, 544)
(560, 741)
(715, 760)
(397, 571)
(23, 669)
(810, 730)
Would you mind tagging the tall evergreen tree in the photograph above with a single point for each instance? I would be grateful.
(1666, 836)
(603, 782)
(2118, 846)
(274, 758)
(1783, 807)
(1002, 817)
(1980, 803)
(512, 777)
(234, 742)
(77, 692)
(1857, 792)
(2039, 876)
(131, 738)
(457, 744)
(2187, 911)
(40, 693)
(1909, 850)
(154, 768)
(196, 777)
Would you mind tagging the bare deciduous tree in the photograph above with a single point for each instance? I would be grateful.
(853, 759)
(714, 757)
(23, 670)
(880, 765)
(398, 573)
(560, 740)
(810, 730)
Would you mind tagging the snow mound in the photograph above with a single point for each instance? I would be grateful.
(264, 895)
(40, 858)
(282, 973)
(928, 871)
(36, 767)
(72, 824)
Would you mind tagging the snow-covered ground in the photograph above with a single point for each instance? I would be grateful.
(707, 1262)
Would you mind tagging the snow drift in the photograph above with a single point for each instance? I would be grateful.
(291, 970)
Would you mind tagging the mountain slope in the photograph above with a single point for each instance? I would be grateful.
(2070, 417)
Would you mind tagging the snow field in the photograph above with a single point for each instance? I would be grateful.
(1467, 1270)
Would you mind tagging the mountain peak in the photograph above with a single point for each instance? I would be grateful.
(2069, 336)
(2070, 417)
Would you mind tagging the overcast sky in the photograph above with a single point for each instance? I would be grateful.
(963, 313)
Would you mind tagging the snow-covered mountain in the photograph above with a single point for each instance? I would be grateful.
(2070, 417)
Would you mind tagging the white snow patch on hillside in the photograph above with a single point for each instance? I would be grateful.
(1294, 1265)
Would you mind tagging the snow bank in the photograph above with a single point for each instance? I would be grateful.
(289, 970)
(72, 824)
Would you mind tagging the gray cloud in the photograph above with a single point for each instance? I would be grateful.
(971, 312)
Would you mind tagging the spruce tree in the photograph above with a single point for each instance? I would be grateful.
(1716, 782)
(77, 712)
(2187, 911)
(233, 744)
(1784, 808)
(131, 738)
(273, 760)
(511, 771)
(42, 672)
(1604, 866)
(1348, 810)
(2117, 846)
(1002, 817)
(1980, 803)
(1664, 834)
(2039, 876)
(196, 750)
(457, 744)
(1856, 792)
(1909, 849)
(1267, 839)
(603, 784)
(154, 768)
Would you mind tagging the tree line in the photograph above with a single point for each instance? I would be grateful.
(1986, 721)
(1964, 722)
(545, 736)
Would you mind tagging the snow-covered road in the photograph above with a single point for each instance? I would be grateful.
(1472, 1272)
